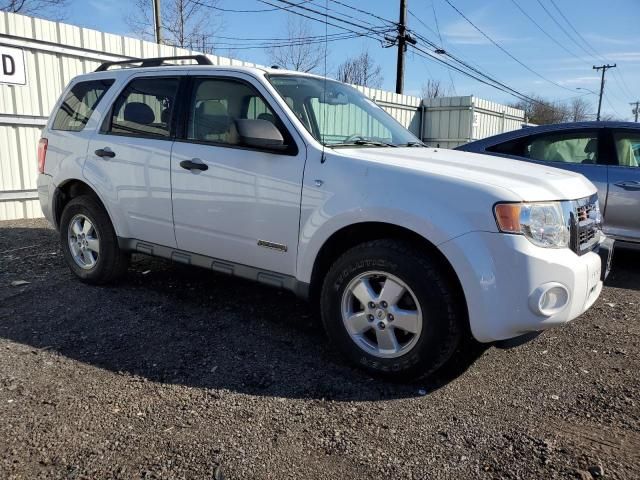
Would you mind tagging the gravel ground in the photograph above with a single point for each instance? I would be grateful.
(177, 372)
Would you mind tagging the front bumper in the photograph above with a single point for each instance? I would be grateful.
(505, 279)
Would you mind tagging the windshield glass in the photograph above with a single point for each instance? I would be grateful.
(339, 115)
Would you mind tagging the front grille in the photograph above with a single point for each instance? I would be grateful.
(586, 224)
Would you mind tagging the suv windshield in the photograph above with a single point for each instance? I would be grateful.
(338, 115)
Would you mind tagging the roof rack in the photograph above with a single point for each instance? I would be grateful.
(155, 62)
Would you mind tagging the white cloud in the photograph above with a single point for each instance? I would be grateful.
(579, 80)
(610, 40)
(463, 33)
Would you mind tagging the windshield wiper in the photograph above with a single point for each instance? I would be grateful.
(414, 144)
(374, 143)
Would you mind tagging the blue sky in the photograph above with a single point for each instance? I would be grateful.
(610, 28)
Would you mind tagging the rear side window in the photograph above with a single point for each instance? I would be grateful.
(145, 108)
(628, 149)
(79, 104)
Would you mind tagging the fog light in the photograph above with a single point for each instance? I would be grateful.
(549, 299)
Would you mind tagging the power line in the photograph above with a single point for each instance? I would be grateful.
(311, 10)
(368, 32)
(326, 8)
(504, 49)
(232, 10)
(363, 11)
(561, 27)
(573, 28)
(617, 75)
(486, 80)
(435, 18)
(440, 47)
(293, 42)
(552, 38)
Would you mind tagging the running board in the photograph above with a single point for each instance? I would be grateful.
(266, 277)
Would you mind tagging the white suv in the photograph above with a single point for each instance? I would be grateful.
(303, 183)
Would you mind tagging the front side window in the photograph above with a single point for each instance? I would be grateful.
(217, 103)
(145, 108)
(564, 148)
(79, 103)
(339, 115)
(628, 149)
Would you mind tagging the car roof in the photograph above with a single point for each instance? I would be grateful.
(556, 127)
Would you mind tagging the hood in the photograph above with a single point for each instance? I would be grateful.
(528, 181)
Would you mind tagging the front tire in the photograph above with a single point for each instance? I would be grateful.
(392, 310)
(89, 242)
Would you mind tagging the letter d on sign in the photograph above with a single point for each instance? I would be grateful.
(8, 65)
(12, 66)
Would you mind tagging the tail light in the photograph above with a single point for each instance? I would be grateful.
(42, 153)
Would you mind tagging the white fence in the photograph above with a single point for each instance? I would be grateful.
(55, 52)
(452, 121)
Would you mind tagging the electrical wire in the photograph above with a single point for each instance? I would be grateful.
(370, 33)
(293, 42)
(232, 10)
(505, 50)
(551, 37)
(311, 10)
(618, 75)
(435, 18)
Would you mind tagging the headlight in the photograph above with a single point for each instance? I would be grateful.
(544, 223)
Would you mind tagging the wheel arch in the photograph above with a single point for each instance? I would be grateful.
(69, 190)
(358, 233)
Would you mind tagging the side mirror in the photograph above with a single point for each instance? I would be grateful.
(260, 134)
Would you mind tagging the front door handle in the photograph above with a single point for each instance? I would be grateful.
(195, 164)
(105, 152)
(629, 185)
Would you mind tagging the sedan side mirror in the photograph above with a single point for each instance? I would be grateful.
(260, 134)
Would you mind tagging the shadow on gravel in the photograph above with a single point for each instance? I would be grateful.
(625, 271)
(174, 324)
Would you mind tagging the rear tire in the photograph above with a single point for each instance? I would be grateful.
(89, 242)
(404, 332)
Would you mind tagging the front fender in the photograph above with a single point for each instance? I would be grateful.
(319, 228)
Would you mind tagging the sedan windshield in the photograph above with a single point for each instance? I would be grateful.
(338, 115)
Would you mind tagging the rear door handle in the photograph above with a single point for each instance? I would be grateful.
(105, 152)
(195, 164)
(629, 185)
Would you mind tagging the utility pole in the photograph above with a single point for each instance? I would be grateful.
(604, 68)
(401, 40)
(157, 20)
(636, 110)
(402, 46)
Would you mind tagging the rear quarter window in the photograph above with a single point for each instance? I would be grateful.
(79, 103)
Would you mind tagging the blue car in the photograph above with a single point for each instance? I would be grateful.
(607, 153)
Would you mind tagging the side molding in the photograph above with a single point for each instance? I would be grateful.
(273, 279)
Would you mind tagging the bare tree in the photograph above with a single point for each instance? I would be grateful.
(579, 109)
(361, 70)
(185, 23)
(542, 111)
(297, 53)
(51, 9)
(433, 89)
